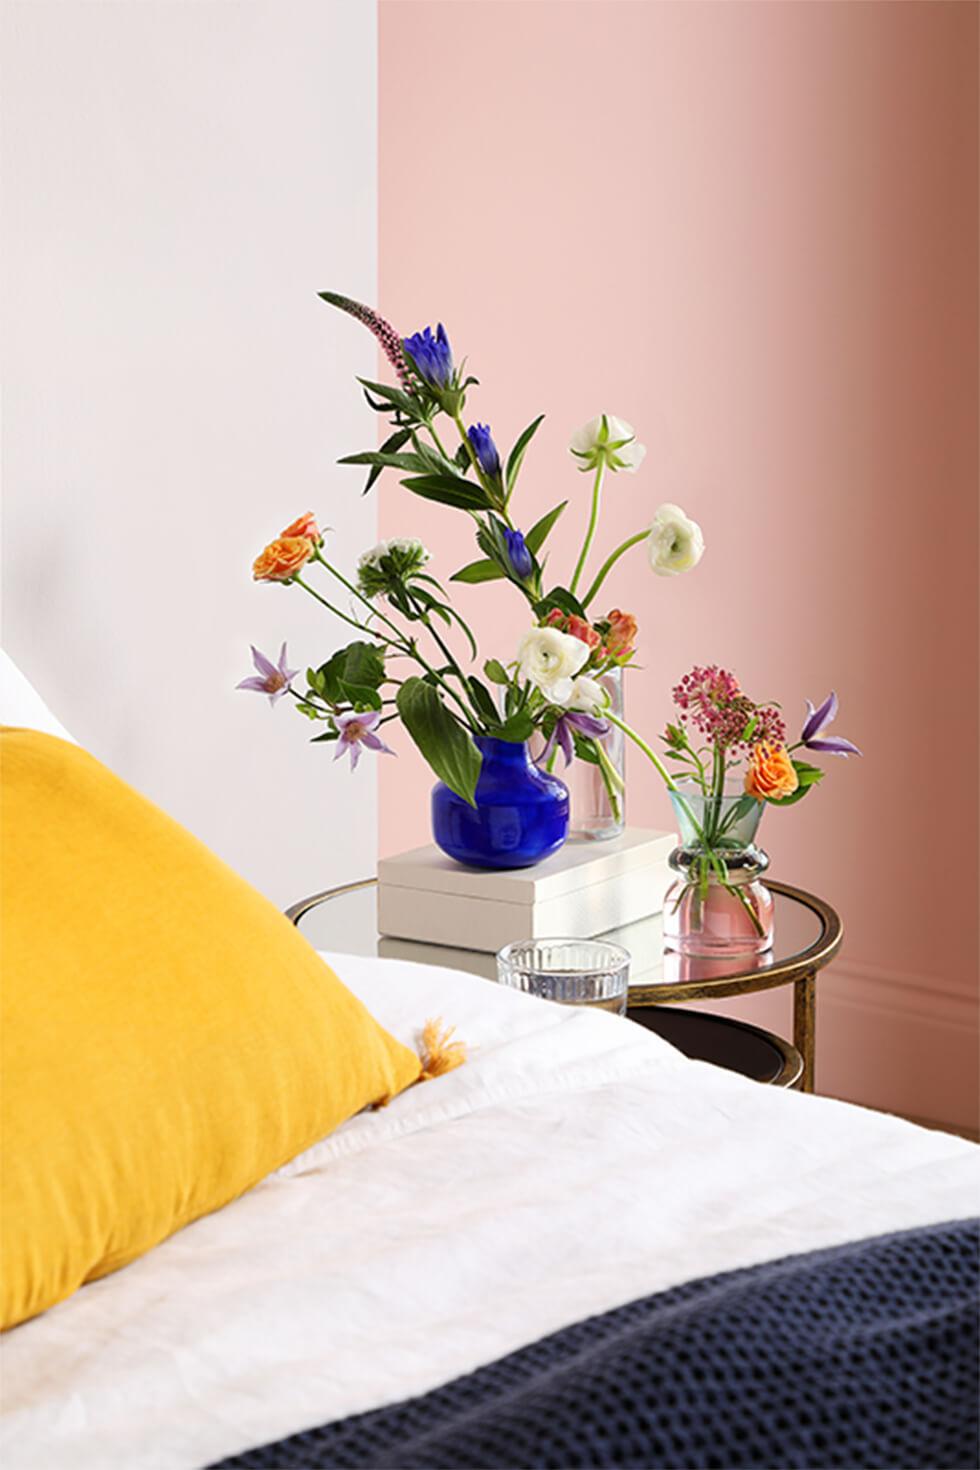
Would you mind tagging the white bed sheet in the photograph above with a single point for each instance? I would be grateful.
(575, 1163)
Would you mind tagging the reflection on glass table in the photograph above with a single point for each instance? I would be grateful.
(807, 936)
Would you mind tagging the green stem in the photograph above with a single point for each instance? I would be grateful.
(448, 655)
(376, 611)
(593, 522)
(611, 779)
(472, 724)
(399, 641)
(662, 770)
(648, 751)
(609, 563)
(743, 899)
(361, 627)
(438, 443)
(313, 700)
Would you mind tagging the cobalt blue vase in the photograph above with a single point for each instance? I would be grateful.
(520, 817)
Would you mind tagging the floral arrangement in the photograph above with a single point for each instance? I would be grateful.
(720, 731)
(405, 662)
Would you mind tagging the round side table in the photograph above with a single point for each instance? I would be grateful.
(808, 934)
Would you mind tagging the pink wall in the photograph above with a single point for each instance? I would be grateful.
(752, 231)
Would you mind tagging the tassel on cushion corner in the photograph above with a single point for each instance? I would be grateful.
(168, 1038)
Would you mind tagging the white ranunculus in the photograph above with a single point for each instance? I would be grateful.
(675, 543)
(550, 659)
(588, 696)
(607, 439)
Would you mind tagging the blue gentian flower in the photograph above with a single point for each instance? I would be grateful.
(520, 558)
(485, 450)
(432, 355)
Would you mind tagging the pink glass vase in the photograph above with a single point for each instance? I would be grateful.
(717, 904)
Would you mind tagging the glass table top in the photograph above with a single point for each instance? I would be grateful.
(344, 921)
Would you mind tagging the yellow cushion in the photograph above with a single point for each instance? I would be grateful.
(168, 1038)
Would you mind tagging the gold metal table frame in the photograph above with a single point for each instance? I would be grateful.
(799, 970)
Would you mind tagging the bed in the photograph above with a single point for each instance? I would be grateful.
(465, 1269)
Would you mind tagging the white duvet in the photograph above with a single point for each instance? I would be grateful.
(576, 1162)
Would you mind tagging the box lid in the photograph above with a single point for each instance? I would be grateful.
(578, 864)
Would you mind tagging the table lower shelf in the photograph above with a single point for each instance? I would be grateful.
(724, 1042)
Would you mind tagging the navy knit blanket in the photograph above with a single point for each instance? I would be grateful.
(863, 1355)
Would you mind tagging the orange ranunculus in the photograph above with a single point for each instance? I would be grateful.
(771, 774)
(575, 626)
(621, 638)
(583, 631)
(282, 559)
(304, 525)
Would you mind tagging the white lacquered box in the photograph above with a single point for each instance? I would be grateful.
(586, 888)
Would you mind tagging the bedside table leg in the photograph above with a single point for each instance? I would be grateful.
(805, 1025)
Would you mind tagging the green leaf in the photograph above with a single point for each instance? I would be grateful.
(460, 493)
(560, 597)
(808, 777)
(465, 629)
(364, 665)
(483, 702)
(391, 445)
(516, 457)
(448, 748)
(496, 672)
(585, 750)
(750, 728)
(351, 676)
(327, 735)
(517, 729)
(396, 397)
(362, 696)
(435, 463)
(535, 538)
(381, 459)
(743, 808)
(478, 571)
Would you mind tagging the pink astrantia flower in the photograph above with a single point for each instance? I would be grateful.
(356, 728)
(272, 679)
(713, 703)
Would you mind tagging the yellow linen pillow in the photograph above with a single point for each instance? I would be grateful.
(168, 1038)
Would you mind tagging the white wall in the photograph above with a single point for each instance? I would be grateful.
(179, 178)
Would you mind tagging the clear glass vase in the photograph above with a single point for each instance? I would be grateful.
(717, 905)
(592, 813)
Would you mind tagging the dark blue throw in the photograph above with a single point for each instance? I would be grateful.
(862, 1355)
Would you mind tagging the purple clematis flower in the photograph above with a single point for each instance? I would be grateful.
(272, 679)
(356, 728)
(563, 734)
(817, 722)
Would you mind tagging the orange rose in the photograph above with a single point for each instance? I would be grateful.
(304, 525)
(771, 774)
(621, 638)
(282, 559)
